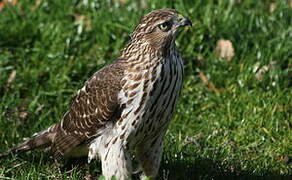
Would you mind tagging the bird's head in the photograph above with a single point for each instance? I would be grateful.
(160, 27)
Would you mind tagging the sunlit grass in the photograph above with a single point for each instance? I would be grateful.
(240, 130)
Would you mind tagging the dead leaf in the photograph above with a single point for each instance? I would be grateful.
(36, 5)
(23, 115)
(261, 71)
(191, 139)
(290, 3)
(225, 49)
(91, 177)
(2, 4)
(206, 82)
(11, 77)
(10, 80)
(5, 2)
(13, 2)
(82, 20)
(200, 60)
(273, 6)
(79, 17)
(287, 159)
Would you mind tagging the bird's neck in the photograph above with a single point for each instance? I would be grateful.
(142, 50)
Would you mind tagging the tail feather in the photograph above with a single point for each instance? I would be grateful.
(63, 143)
(41, 139)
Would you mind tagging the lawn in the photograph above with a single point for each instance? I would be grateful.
(234, 117)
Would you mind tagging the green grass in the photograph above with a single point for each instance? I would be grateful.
(244, 131)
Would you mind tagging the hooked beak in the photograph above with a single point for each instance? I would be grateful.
(185, 22)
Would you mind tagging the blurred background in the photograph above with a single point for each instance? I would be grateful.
(234, 117)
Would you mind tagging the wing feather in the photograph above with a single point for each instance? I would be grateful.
(95, 106)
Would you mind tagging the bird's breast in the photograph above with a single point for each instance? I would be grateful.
(149, 96)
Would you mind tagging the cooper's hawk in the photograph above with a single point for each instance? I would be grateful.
(124, 109)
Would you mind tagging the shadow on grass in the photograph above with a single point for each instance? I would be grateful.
(169, 170)
(182, 170)
(207, 169)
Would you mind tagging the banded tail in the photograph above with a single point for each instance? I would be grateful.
(41, 139)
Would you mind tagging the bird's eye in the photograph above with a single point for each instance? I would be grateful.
(165, 26)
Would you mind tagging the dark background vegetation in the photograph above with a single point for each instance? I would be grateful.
(234, 117)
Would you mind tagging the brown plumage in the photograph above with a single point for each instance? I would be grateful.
(124, 109)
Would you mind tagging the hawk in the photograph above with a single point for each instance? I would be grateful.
(124, 109)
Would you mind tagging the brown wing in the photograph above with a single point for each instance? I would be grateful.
(94, 107)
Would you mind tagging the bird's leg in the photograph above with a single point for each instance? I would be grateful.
(116, 161)
(150, 158)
